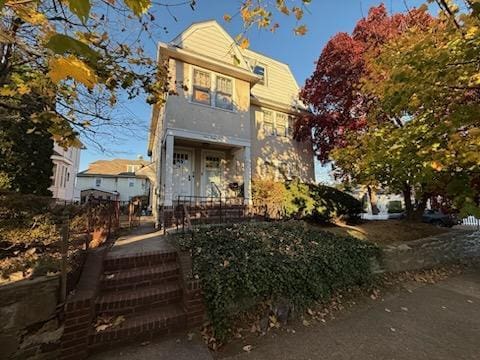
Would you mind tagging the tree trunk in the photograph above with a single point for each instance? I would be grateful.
(372, 196)
(420, 208)
(407, 197)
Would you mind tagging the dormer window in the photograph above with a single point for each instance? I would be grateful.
(260, 70)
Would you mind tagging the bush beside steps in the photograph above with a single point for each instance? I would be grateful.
(243, 265)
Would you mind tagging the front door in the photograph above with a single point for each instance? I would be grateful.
(182, 174)
(213, 173)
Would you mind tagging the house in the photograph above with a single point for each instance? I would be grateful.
(119, 179)
(227, 119)
(66, 163)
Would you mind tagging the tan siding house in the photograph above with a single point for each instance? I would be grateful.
(229, 122)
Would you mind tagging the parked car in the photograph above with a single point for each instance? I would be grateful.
(438, 218)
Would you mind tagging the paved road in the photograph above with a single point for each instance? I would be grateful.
(440, 321)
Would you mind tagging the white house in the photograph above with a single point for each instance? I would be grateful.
(124, 179)
(231, 119)
(66, 163)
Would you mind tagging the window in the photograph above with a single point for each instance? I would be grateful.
(291, 123)
(131, 168)
(131, 183)
(98, 182)
(260, 71)
(281, 124)
(223, 96)
(68, 176)
(54, 174)
(268, 123)
(201, 87)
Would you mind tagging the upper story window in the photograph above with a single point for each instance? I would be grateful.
(201, 87)
(291, 122)
(223, 97)
(212, 89)
(98, 182)
(132, 168)
(261, 71)
(281, 124)
(131, 183)
(277, 124)
(268, 122)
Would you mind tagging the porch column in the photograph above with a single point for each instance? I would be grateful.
(247, 175)
(168, 199)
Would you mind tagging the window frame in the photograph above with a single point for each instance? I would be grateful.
(285, 124)
(272, 122)
(263, 80)
(213, 89)
(98, 182)
(222, 92)
(209, 89)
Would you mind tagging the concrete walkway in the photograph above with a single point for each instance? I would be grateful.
(140, 240)
(440, 321)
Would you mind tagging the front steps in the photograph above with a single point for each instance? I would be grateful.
(149, 294)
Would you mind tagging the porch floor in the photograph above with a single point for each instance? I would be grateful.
(144, 239)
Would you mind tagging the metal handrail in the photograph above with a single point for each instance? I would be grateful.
(218, 189)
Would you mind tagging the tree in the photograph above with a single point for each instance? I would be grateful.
(340, 105)
(334, 94)
(430, 79)
(81, 46)
(26, 145)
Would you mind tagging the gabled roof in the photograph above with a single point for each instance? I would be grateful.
(113, 167)
(180, 40)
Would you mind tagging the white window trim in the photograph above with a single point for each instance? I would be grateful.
(274, 123)
(265, 73)
(213, 89)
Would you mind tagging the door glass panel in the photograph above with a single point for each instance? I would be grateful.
(181, 174)
(213, 175)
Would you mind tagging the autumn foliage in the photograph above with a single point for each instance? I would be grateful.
(334, 93)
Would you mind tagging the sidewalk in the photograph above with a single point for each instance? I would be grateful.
(440, 321)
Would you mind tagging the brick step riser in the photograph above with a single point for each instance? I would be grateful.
(145, 331)
(137, 308)
(119, 264)
(109, 286)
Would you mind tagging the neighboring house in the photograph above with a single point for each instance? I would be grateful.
(230, 120)
(66, 163)
(122, 178)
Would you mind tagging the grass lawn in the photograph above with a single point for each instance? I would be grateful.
(386, 231)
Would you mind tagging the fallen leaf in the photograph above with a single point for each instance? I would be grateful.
(247, 348)
(305, 322)
(388, 310)
(404, 308)
(392, 329)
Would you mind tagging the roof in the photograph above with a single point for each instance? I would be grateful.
(113, 167)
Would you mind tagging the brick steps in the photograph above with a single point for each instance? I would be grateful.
(145, 325)
(138, 300)
(136, 278)
(122, 263)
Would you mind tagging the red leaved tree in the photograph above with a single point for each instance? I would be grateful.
(333, 93)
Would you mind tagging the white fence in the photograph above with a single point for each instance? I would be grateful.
(471, 221)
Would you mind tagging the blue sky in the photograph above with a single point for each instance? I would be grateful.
(324, 19)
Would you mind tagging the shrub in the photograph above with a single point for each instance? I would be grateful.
(332, 203)
(268, 197)
(253, 262)
(394, 207)
(298, 201)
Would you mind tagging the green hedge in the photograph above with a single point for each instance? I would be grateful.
(267, 261)
(332, 203)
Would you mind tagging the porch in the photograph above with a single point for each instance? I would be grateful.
(202, 172)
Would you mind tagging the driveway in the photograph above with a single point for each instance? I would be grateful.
(440, 321)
